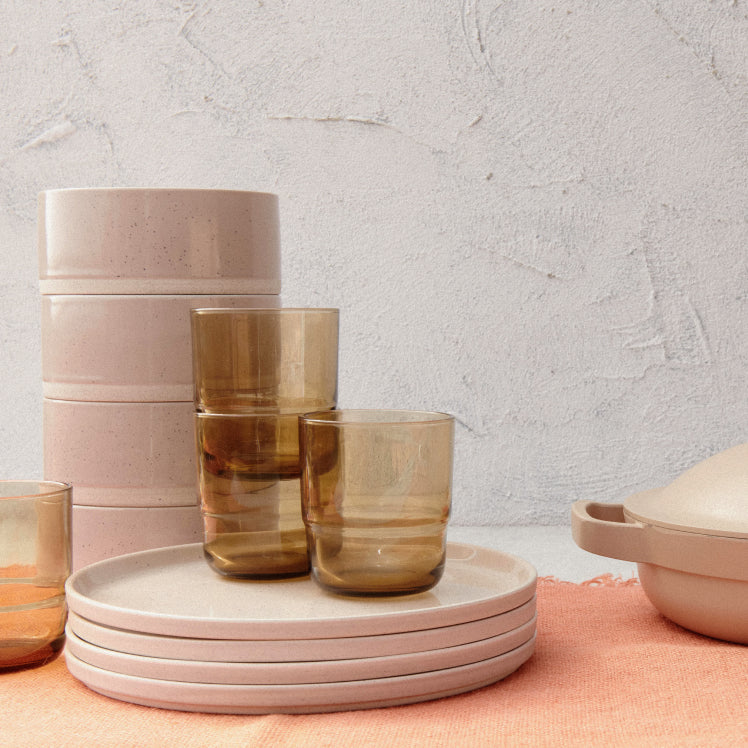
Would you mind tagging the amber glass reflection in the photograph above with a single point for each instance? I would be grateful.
(248, 475)
(376, 498)
(282, 360)
(34, 565)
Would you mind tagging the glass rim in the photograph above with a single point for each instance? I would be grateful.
(376, 417)
(201, 311)
(157, 190)
(247, 414)
(40, 488)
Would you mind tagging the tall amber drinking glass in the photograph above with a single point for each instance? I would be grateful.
(376, 493)
(34, 565)
(255, 372)
(265, 360)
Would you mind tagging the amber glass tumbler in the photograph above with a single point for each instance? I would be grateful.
(248, 474)
(255, 371)
(273, 360)
(34, 565)
(376, 493)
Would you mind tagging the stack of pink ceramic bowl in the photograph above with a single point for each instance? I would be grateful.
(120, 270)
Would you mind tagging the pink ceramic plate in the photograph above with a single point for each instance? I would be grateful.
(172, 591)
(289, 673)
(299, 650)
(299, 698)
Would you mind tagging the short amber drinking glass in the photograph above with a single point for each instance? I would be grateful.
(34, 565)
(255, 360)
(376, 493)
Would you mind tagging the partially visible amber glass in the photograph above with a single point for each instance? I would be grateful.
(376, 493)
(35, 555)
(248, 475)
(255, 360)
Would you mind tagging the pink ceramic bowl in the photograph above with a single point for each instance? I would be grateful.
(103, 532)
(122, 454)
(158, 241)
(133, 348)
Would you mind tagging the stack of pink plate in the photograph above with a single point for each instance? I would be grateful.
(160, 628)
(120, 270)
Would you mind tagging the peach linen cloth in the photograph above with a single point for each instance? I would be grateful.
(608, 670)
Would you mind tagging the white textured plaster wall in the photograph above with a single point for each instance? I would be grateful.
(532, 214)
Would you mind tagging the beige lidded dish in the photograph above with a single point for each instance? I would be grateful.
(101, 241)
(689, 540)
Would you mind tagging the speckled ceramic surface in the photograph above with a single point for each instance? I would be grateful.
(299, 698)
(102, 241)
(173, 592)
(290, 672)
(132, 348)
(100, 533)
(301, 650)
(122, 454)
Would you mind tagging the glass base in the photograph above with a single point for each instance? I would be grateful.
(365, 565)
(229, 557)
(24, 653)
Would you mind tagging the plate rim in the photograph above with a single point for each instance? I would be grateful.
(220, 698)
(292, 672)
(292, 628)
(278, 650)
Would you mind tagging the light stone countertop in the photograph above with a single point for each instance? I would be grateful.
(550, 549)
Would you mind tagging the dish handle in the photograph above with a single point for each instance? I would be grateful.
(603, 529)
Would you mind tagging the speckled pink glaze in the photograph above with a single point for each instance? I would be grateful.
(158, 241)
(104, 532)
(122, 454)
(132, 348)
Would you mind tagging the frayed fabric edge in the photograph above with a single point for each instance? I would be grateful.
(603, 580)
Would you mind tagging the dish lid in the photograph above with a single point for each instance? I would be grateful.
(710, 498)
